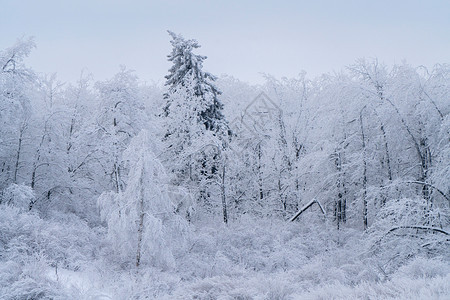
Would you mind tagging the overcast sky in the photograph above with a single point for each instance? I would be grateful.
(241, 38)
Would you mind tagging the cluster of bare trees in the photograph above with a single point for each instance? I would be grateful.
(352, 141)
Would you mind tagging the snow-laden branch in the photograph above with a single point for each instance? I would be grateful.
(427, 228)
(308, 205)
(431, 186)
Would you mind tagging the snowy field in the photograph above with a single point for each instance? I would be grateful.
(249, 259)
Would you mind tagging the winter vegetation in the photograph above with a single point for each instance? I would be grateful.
(334, 187)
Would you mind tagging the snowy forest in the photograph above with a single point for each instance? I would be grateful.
(206, 187)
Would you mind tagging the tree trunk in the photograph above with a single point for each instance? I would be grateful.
(224, 202)
(19, 150)
(260, 179)
(364, 179)
(286, 164)
(340, 204)
(141, 221)
(386, 149)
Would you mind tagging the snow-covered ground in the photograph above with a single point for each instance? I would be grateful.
(81, 285)
(248, 259)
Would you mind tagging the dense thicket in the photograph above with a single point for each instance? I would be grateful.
(138, 177)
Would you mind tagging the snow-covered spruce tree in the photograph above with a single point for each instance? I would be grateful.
(142, 223)
(186, 73)
(194, 119)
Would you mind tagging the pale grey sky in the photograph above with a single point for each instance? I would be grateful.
(240, 38)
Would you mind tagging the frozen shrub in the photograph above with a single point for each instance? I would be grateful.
(424, 268)
(18, 195)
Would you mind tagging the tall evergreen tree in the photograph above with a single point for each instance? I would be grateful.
(186, 74)
(194, 122)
